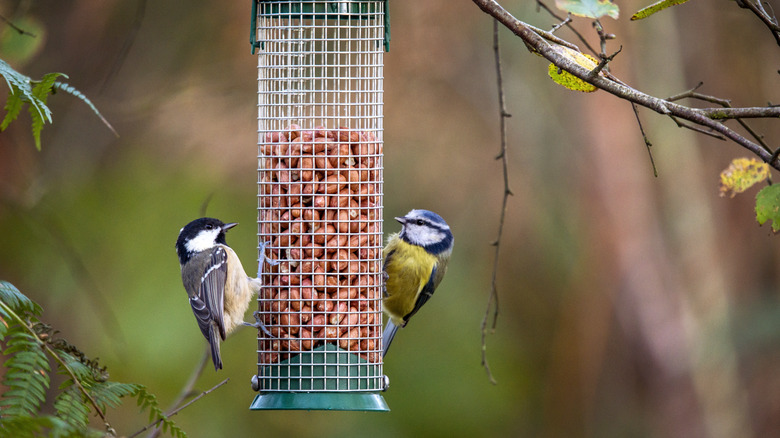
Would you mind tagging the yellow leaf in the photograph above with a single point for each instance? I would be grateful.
(567, 79)
(742, 174)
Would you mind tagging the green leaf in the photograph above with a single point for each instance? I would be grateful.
(41, 113)
(655, 7)
(589, 8)
(12, 108)
(742, 174)
(26, 375)
(16, 300)
(768, 206)
(70, 406)
(23, 90)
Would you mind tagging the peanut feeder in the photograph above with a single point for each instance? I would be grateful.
(320, 114)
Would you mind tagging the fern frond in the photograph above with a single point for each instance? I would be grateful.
(16, 300)
(78, 94)
(23, 89)
(12, 108)
(37, 125)
(27, 374)
(147, 400)
(41, 91)
(29, 344)
(16, 81)
(72, 408)
(109, 394)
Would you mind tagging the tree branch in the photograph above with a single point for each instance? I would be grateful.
(618, 88)
(493, 297)
(187, 389)
(758, 9)
(18, 29)
(180, 408)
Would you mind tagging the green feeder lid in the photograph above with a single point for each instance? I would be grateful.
(325, 10)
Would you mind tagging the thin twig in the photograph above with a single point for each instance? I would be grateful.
(648, 145)
(140, 12)
(550, 37)
(569, 25)
(179, 409)
(187, 389)
(493, 297)
(729, 112)
(561, 24)
(758, 9)
(18, 29)
(694, 128)
(603, 63)
(685, 93)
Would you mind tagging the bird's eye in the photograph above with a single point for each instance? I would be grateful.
(209, 226)
(420, 222)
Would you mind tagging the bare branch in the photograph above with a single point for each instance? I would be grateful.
(740, 113)
(179, 409)
(561, 24)
(728, 112)
(493, 297)
(605, 60)
(18, 29)
(187, 389)
(618, 88)
(648, 145)
(681, 124)
(567, 21)
(758, 9)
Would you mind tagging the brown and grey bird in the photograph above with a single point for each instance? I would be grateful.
(215, 281)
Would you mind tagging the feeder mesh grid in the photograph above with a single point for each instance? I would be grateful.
(320, 112)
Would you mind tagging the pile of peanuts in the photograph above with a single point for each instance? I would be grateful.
(320, 219)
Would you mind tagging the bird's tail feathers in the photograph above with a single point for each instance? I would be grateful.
(388, 335)
(214, 341)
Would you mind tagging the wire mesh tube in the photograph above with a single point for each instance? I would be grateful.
(320, 199)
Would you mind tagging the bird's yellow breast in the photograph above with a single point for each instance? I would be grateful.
(408, 268)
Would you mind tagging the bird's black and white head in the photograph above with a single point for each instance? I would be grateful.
(426, 229)
(200, 235)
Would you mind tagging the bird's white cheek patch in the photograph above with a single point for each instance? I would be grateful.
(431, 237)
(203, 241)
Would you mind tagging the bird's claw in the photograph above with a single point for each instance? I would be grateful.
(259, 325)
(262, 259)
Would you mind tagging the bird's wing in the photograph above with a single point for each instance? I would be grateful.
(208, 305)
(426, 293)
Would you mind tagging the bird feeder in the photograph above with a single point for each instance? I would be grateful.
(320, 114)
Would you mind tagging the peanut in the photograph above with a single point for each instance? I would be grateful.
(320, 209)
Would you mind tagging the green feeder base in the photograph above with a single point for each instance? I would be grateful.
(320, 401)
(326, 378)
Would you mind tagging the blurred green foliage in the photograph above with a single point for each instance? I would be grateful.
(619, 292)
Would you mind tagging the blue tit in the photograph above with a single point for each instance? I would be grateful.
(415, 263)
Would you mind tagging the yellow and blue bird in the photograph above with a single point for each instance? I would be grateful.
(415, 263)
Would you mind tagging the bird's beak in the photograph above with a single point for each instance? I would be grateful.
(228, 226)
(401, 219)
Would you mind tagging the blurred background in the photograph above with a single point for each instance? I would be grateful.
(630, 305)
